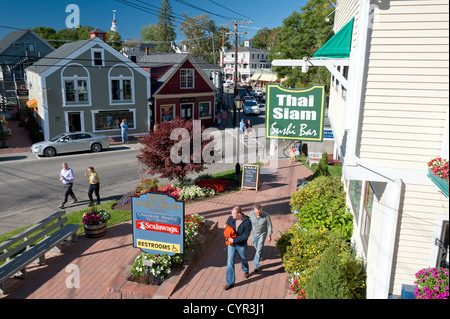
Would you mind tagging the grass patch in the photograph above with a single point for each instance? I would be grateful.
(117, 217)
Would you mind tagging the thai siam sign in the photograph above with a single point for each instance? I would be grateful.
(295, 114)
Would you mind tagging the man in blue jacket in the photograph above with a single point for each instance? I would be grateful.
(243, 227)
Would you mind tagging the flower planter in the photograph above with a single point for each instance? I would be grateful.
(94, 231)
(441, 183)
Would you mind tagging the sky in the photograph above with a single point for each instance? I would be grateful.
(99, 13)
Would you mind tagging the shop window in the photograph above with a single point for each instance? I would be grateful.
(205, 110)
(367, 212)
(167, 112)
(110, 120)
(355, 188)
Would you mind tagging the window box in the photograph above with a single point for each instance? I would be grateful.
(441, 183)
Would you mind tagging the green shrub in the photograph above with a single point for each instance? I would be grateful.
(339, 275)
(283, 242)
(148, 185)
(322, 167)
(322, 202)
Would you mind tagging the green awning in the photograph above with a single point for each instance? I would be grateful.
(339, 45)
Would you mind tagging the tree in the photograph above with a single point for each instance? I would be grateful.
(113, 39)
(265, 38)
(149, 33)
(166, 29)
(302, 34)
(175, 149)
(203, 37)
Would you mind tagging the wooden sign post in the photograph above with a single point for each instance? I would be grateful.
(250, 176)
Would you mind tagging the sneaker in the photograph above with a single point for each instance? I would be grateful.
(74, 201)
(256, 269)
(61, 206)
(246, 275)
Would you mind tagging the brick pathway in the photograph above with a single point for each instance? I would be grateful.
(101, 260)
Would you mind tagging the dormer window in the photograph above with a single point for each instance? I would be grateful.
(98, 58)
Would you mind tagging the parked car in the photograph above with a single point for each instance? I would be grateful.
(251, 107)
(249, 98)
(229, 84)
(71, 142)
(242, 92)
(258, 92)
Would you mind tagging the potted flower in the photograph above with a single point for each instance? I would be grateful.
(94, 222)
(432, 283)
(438, 173)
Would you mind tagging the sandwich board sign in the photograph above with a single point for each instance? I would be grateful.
(158, 224)
(295, 114)
(250, 176)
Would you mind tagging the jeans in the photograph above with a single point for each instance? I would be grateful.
(242, 251)
(124, 136)
(258, 242)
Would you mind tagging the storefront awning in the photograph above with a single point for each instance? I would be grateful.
(255, 77)
(340, 44)
(266, 77)
(32, 104)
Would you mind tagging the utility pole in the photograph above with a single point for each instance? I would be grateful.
(236, 24)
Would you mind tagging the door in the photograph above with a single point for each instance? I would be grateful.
(187, 111)
(82, 142)
(74, 122)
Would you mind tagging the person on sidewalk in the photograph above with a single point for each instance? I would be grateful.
(94, 185)
(66, 176)
(242, 128)
(242, 226)
(249, 128)
(261, 228)
(124, 131)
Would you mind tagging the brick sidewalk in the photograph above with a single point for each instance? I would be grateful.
(101, 260)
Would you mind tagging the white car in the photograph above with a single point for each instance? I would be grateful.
(258, 92)
(71, 142)
(251, 107)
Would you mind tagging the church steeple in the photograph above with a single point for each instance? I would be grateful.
(114, 22)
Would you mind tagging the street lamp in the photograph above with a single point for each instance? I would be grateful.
(238, 102)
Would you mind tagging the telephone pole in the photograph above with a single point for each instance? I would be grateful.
(236, 24)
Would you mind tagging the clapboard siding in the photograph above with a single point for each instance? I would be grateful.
(405, 104)
(420, 207)
(410, 73)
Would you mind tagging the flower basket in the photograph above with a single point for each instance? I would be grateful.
(95, 231)
(441, 183)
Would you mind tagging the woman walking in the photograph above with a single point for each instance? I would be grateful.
(94, 185)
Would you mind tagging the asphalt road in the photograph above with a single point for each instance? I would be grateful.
(30, 189)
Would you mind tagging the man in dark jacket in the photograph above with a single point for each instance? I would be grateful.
(243, 227)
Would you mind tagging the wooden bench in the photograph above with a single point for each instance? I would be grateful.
(32, 244)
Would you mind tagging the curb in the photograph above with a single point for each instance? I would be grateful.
(121, 288)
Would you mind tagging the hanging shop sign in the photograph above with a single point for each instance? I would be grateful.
(295, 114)
(158, 224)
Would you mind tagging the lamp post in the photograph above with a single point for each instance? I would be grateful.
(238, 102)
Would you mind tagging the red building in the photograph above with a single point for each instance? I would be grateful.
(180, 88)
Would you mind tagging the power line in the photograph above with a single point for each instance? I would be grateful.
(200, 9)
(229, 9)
